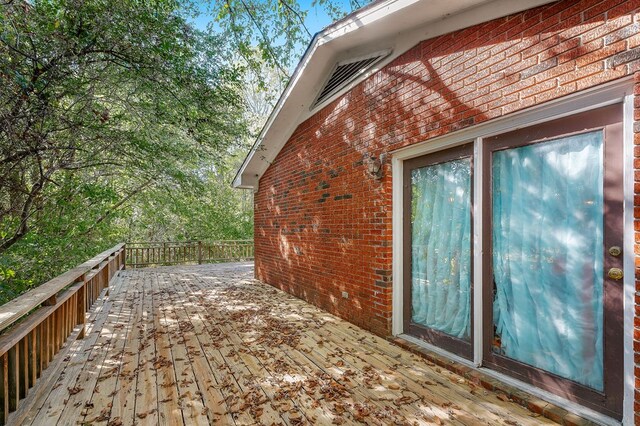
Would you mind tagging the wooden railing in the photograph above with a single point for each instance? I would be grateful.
(188, 252)
(37, 327)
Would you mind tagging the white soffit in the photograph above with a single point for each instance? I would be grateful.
(397, 25)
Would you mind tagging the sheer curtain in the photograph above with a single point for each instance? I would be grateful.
(441, 247)
(547, 256)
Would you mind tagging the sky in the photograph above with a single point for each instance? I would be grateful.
(316, 19)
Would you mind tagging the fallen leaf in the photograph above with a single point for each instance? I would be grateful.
(75, 390)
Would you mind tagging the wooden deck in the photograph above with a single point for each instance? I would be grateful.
(207, 344)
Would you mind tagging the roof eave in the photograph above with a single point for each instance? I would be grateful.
(377, 24)
(238, 181)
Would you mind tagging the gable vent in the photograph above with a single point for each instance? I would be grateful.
(345, 72)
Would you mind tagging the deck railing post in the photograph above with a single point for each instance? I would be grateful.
(82, 306)
(52, 301)
(4, 374)
(164, 252)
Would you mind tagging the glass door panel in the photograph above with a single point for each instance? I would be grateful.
(552, 232)
(438, 288)
(548, 258)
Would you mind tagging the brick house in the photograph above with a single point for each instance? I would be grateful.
(460, 174)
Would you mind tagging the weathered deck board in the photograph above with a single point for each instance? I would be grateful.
(207, 344)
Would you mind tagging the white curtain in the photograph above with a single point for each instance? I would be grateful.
(547, 256)
(441, 247)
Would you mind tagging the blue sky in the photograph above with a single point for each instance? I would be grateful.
(316, 19)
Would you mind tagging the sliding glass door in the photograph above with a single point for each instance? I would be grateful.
(438, 237)
(552, 288)
(551, 232)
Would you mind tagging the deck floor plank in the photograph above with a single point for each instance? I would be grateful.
(331, 367)
(255, 366)
(396, 366)
(72, 401)
(189, 395)
(57, 395)
(124, 394)
(208, 344)
(251, 376)
(169, 411)
(146, 390)
(209, 378)
(68, 396)
(108, 368)
(113, 378)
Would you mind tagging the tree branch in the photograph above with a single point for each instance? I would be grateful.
(265, 38)
(285, 4)
(119, 204)
(26, 213)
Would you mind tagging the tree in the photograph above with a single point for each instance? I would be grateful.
(122, 94)
(119, 120)
(278, 29)
(208, 209)
(102, 102)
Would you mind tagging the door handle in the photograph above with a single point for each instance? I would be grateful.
(615, 273)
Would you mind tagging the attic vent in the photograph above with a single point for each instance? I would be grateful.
(345, 72)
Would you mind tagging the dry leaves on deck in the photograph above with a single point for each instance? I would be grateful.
(206, 347)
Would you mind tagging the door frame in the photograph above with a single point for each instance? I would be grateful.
(619, 91)
(452, 344)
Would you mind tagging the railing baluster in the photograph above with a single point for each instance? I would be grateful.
(81, 307)
(56, 331)
(53, 327)
(33, 358)
(45, 343)
(23, 366)
(67, 321)
(14, 383)
(40, 349)
(52, 337)
(4, 391)
(63, 324)
(61, 327)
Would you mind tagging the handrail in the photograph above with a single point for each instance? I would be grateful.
(185, 242)
(42, 322)
(13, 310)
(187, 252)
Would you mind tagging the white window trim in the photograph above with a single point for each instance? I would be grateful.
(620, 91)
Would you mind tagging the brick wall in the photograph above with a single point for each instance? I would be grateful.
(323, 225)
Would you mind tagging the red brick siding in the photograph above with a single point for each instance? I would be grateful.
(323, 226)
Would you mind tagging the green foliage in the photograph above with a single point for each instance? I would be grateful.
(207, 209)
(105, 104)
(277, 29)
(119, 121)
